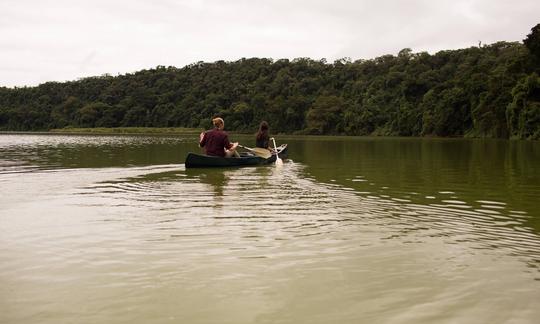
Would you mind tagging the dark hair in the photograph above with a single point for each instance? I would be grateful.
(262, 134)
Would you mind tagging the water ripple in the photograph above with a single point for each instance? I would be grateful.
(284, 204)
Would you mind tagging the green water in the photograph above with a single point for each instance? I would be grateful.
(114, 229)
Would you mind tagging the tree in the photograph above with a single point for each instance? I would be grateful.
(161, 114)
(242, 116)
(88, 115)
(325, 116)
(532, 42)
(63, 114)
(136, 117)
(523, 114)
(476, 91)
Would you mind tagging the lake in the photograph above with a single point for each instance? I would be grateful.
(114, 229)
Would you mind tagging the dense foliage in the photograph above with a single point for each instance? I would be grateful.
(491, 90)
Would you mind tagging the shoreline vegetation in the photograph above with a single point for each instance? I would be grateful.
(127, 130)
(485, 91)
(188, 131)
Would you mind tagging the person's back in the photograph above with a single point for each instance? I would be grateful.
(263, 139)
(216, 141)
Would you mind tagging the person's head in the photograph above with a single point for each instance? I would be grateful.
(218, 123)
(263, 126)
(263, 131)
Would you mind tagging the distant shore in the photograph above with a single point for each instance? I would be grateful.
(127, 130)
(197, 131)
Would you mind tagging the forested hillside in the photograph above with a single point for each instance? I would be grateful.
(490, 90)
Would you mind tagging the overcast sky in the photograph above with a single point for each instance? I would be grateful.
(61, 40)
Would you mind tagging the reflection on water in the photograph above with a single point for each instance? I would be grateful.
(23, 153)
(288, 196)
(363, 233)
(425, 169)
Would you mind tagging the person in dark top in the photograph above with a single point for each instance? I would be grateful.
(216, 141)
(263, 139)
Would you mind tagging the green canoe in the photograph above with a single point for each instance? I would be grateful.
(194, 160)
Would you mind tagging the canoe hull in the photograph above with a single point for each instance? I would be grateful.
(194, 160)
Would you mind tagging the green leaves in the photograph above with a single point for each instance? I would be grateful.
(523, 114)
(478, 91)
(532, 42)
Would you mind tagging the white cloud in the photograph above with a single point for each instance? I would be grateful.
(60, 40)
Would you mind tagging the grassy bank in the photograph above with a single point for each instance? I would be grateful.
(128, 130)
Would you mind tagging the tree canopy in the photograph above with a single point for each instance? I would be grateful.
(487, 91)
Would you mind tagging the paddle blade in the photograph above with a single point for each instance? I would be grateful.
(261, 152)
(278, 160)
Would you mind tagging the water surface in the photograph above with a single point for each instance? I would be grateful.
(114, 229)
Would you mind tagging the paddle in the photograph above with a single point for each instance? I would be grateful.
(260, 152)
(278, 159)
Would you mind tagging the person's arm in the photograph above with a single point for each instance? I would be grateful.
(202, 139)
(228, 145)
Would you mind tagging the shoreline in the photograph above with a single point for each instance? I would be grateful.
(113, 131)
(190, 131)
